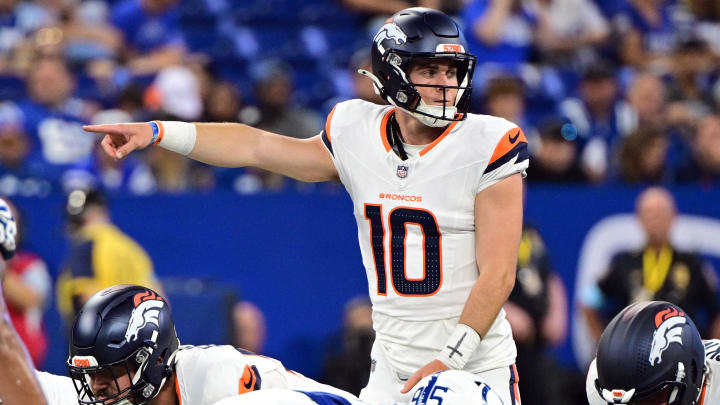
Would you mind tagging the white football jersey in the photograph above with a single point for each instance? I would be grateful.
(285, 397)
(710, 393)
(415, 217)
(207, 374)
(58, 390)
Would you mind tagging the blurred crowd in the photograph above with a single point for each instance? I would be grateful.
(613, 91)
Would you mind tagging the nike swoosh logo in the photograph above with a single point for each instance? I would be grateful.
(248, 384)
(513, 139)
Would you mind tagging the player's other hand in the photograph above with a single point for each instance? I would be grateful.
(8, 231)
(432, 367)
(121, 139)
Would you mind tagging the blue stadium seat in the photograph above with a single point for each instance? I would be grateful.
(233, 70)
(279, 42)
(267, 12)
(327, 13)
(342, 42)
(313, 87)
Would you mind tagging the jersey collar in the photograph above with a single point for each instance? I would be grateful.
(428, 148)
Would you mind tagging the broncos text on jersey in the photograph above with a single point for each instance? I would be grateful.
(415, 217)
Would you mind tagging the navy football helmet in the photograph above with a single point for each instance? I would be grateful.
(420, 33)
(122, 346)
(651, 350)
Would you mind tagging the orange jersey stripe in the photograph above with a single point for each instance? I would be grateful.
(439, 138)
(507, 142)
(177, 391)
(516, 390)
(383, 129)
(702, 395)
(327, 123)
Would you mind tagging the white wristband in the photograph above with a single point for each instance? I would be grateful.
(177, 136)
(459, 347)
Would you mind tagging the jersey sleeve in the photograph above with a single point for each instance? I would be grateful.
(58, 390)
(509, 156)
(209, 374)
(340, 121)
(269, 397)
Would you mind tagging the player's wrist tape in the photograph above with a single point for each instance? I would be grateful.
(459, 347)
(175, 136)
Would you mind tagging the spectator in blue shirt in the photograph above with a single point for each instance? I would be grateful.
(53, 118)
(18, 173)
(500, 31)
(648, 32)
(596, 114)
(152, 30)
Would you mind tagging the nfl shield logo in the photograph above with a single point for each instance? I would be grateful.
(402, 171)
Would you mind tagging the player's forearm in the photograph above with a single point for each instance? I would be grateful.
(498, 229)
(17, 380)
(487, 297)
(226, 144)
(238, 145)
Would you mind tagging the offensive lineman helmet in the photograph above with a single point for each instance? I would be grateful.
(454, 387)
(124, 332)
(651, 350)
(420, 33)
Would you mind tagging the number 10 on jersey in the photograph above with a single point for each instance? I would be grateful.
(397, 219)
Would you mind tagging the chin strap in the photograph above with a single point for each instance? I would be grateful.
(679, 376)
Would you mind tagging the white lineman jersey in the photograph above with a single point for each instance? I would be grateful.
(206, 375)
(710, 393)
(415, 217)
(290, 397)
(58, 390)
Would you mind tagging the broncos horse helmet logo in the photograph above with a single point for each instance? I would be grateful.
(668, 329)
(146, 312)
(391, 31)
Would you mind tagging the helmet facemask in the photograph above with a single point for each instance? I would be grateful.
(394, 85)
(670, 392)
(130, 379)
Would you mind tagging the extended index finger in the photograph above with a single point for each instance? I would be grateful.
(113, 129)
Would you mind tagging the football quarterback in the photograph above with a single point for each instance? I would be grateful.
(437, 196)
